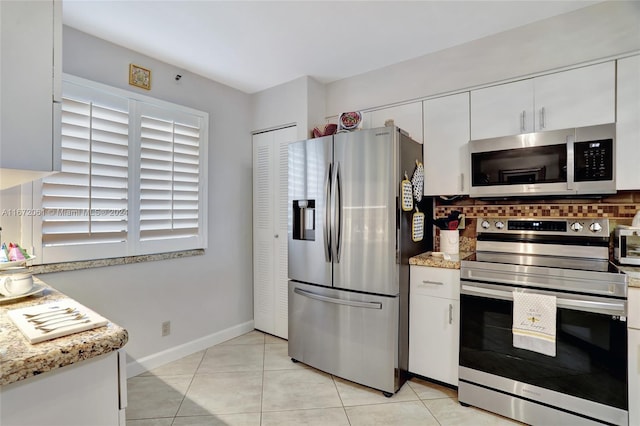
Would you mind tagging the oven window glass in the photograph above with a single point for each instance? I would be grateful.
(591, 351)
(540, 164)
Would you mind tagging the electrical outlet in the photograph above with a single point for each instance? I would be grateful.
(461, 221)
(166, 328)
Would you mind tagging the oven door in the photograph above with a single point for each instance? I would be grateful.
(591, 350)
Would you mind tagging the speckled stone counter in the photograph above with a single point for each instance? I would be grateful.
(19, 359)
(426, 259)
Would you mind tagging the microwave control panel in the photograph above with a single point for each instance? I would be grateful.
(593, 160)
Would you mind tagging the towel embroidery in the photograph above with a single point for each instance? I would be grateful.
(534, 322)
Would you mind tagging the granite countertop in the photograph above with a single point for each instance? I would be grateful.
(20, 359)
(426, 259)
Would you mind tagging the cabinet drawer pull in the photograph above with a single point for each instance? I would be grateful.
(432, 282)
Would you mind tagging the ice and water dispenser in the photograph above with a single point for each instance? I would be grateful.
(304, 220)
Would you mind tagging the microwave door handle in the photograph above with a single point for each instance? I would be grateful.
(570, 162)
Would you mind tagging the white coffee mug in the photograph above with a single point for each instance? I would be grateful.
(15, 285)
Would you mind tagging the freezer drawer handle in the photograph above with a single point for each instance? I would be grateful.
(368, 305)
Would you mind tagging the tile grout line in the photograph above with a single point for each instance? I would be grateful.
(333, 379)
(189, 387)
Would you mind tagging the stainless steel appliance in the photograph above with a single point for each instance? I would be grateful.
(626, 246)
(349, 246)
(586, 381)
(557, 162)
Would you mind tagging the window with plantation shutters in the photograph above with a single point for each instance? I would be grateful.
(132, 181)
(169, 177)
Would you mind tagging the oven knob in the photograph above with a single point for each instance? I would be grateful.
(485, 224)
(499, 224)
(595, 227)
(576, 226)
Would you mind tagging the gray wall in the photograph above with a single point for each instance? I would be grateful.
(200, 295)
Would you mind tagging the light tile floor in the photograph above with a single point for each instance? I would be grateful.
(251, 381)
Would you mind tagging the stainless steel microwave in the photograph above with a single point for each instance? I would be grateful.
(557, 162)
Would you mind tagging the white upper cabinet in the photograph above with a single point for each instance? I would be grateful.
(579, 97)
(408, 117)
(501, 110)
(628, 124)
(446, 137)
(31, 45)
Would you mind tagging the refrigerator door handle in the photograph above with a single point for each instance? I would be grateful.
(326, 230)
(356, 304)
(338, 214)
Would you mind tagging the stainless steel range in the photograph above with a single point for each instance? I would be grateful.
(564, 263)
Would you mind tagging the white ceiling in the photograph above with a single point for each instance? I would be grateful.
(254, 45)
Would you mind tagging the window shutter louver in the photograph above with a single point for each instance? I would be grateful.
(169, 178)
(87, 201)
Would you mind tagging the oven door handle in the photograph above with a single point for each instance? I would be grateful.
(600, 307)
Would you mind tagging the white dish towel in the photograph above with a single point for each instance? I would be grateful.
(534, 322)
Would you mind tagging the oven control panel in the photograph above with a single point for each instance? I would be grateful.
(588, 227)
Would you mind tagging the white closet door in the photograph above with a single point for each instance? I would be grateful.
(282, 138)
(270, 225)
(263, 216)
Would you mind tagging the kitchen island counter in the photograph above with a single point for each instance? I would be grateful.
(21, 360)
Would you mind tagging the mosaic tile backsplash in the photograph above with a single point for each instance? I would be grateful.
(618, 208)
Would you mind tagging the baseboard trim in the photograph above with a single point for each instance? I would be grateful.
(152, 361)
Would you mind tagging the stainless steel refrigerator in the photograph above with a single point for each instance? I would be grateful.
(349, 241)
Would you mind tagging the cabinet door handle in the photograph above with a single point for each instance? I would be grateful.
(432, 282)
(542, 124)
(450, 313)
(522, 121)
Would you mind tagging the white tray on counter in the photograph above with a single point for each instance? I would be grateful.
(35, 335)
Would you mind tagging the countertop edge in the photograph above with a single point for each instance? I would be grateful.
(20, 360)
(426, 259)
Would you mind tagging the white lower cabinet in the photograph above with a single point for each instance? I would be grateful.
(634, 356)
(434, 323)
(91, 392)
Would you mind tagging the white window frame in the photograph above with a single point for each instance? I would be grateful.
(133, 245)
